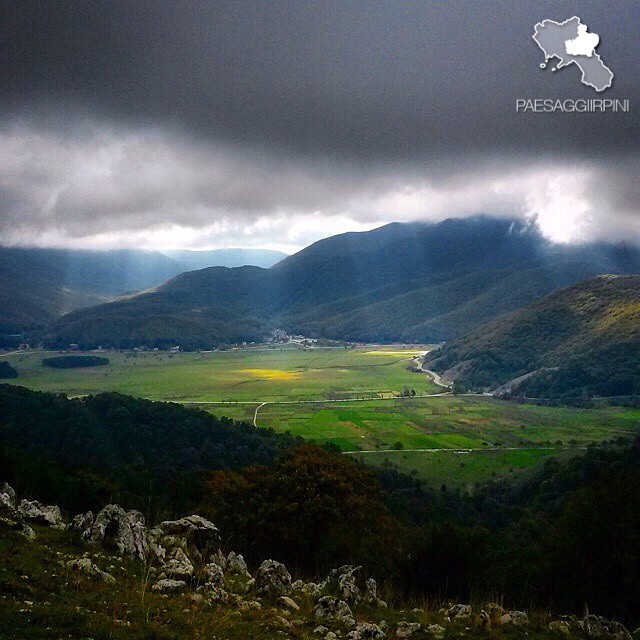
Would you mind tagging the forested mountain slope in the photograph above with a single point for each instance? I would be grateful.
(412, 282)
(583, 340)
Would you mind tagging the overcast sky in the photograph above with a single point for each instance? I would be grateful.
(272, 124)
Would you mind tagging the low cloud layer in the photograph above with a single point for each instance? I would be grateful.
(275, 124)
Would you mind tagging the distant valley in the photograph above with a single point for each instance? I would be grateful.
(38, 285)
(456, 282)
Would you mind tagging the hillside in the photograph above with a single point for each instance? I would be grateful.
(438, 557)
(110, 575)
(410, 282)
(37, 285)
(583, 340)
(111, 446)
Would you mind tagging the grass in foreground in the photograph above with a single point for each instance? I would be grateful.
(41, 599)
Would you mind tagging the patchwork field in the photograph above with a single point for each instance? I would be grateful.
(286, 373)
(447, 422)
(451, 440)
(349, 397)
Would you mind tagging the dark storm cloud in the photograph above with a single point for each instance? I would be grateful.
(214, 113)
(364, 79)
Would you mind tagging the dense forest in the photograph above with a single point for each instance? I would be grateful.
(110, 447)
(565, 538)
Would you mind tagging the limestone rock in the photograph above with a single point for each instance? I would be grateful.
(598, 628)
(178, 566)
(197, 535)
(220, 559)
(8, 498)
(169, 586)
(516, 618)
(333, 610)
(309, 589)
(91, 570)
(273, 578)
(407, 629)
(436, 631)
(287, 602)
(27, 532)
(459, 612)
(33, 511)
(214, 575)
(367, 631)
(214, 592)
(114, 528)
(236, 565)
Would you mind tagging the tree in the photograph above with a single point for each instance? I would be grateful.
(7, 371)
(312, 509)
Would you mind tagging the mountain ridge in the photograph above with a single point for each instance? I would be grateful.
(416, 282)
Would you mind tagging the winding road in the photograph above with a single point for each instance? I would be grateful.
(437, 379)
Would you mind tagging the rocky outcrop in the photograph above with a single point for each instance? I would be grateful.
(115, 529)
(599, 628)
(33, 511)
(516, 618)
(197, 536)
(308, 589)
(288, 603)
(13, 517)
(407, 629)
(459, 612)
(347, 583)
(236, 565)
(330, 610)
(177, 565)
(180, 557)
(436, 631)
(273, 579)
(7, 496)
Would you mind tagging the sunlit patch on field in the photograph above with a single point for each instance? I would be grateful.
(273, 374)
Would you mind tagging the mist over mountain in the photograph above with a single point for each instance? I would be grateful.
(37, 285)
(226, 257)
(409, 282)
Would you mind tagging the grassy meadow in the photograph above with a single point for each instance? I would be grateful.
(346, 397)
(276, 374)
